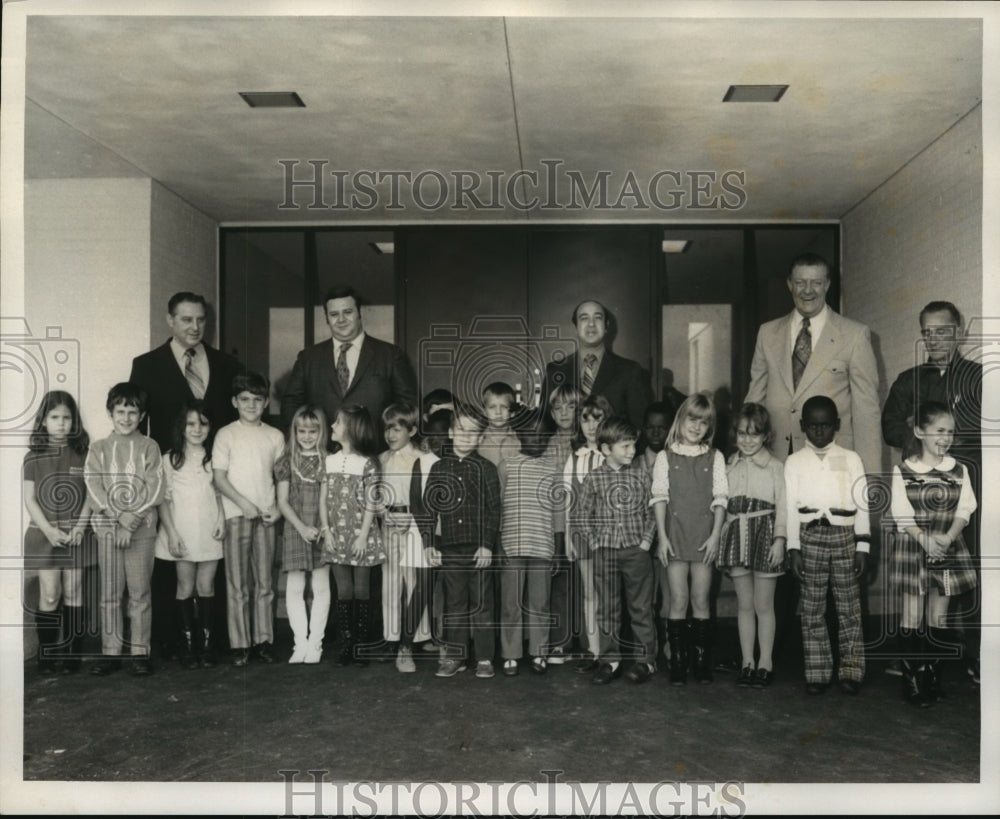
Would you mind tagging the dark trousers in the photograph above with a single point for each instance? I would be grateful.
(630, 567)
(412, 610)
(468, 603)
(560, 599)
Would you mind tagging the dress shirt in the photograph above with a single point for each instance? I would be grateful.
(199, 361)
(831, 478)
(816, 325)
(352, 354)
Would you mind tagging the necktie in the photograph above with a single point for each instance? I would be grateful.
(587, 382)
(343, 372)
(801, 353)
(195, 381)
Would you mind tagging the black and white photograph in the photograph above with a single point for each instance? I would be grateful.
(551, 408)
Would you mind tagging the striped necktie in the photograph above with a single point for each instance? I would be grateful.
(801, 353)
(194, 379)
(587, 382)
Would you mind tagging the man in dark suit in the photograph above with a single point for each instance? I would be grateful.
(181, 369)
(595, 370)
(169, 379)
(349, 368)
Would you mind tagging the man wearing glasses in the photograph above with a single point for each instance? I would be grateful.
(949, 378)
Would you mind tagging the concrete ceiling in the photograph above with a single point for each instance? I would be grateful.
(157, 96)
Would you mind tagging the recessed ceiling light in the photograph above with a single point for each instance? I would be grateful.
(272, 99)
(754, 93)
(676, 245)
(383, 248)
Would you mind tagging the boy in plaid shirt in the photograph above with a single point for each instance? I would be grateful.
(463, 494)
(616, 521)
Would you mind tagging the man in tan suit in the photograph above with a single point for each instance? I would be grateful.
(815, 351)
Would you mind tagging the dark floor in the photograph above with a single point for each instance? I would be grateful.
(246, 724)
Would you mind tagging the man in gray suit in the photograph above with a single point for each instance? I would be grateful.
(350, 368)
(815, 351)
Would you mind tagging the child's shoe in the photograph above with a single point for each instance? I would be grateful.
(538, 665)
(557, 656)
(108, 664)
(449, 668)
(913, 686)
(640, 672)
(241, 656)
(404, 661)
(313, 653)
(298, 655)
(141, 666)
(678, 656)
(264, 652)
(745, 678)
(484, 669)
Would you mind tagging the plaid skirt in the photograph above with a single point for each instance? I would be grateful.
(298, 554)
(913, 574)
(747, 535)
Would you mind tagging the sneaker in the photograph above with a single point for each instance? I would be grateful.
(449, 668)
(484, 669)
(298, 655)
(404, 661)
(557, 656)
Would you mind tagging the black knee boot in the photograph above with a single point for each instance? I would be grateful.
(344, 615)
(361, 613)
(185, 632)
(206, 615)
(75, 628)
(940, 641)
(676, 633)
(914, 668)
(48, 627)
(702, 642)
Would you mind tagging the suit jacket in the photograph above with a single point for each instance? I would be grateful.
(622, 381)
(383, 376)
(842, 367)
(163, 380)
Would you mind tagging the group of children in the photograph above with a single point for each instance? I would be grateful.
(516, 530)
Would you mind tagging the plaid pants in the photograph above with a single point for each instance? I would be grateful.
(131, 568)
(249, 555)
(828, 558)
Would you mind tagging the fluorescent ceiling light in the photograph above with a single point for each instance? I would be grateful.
(383, 248)
(676, 245)
(754, 93)
(272, 99)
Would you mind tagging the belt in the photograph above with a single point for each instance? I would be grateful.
(741, 519)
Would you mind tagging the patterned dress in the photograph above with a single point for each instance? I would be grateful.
(930, 499)
(755, 514)
(352, 483)
(303, 496)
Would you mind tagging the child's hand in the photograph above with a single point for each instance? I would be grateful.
(129, 521)
(860, 564)
(795, 564)
(483, 556)
(270, 516)
(55, 536)
(942, 540)
(931, 546)
(662, 554)
(248, 510)
(433, 556)
(328, 538)
(310, 534)
(176, 547)
(219, 532)
(359, 545)
(711, 549)
(123, 537)
(777, 553)
(76, 535)
(666, 544)
(644, 545)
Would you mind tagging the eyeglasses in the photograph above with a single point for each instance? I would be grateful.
(945, 331)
